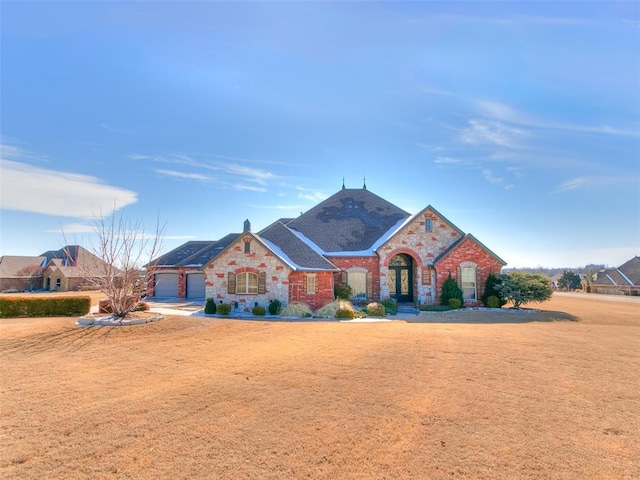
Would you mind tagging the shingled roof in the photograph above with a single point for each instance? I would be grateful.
(352, 220)
(627, 274)
(299, 253)
(194, 253)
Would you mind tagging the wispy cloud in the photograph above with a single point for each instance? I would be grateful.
(593, 182)
(250, 188)
(311, 195)
(33, 189)
(229, 170)
(184, 175)
(11, 152)
(483, 132)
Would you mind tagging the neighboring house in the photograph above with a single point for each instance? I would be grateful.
(624, 280)
(70, 269)
(21, 273)
(354, 237)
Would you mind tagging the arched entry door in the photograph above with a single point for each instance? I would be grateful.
(400, 278)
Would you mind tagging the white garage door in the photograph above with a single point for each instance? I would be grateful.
(166, 285)
(195, 285)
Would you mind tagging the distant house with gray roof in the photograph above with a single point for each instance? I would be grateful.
(624, 280)
(354, 237)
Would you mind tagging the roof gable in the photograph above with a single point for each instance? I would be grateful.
(12, 265)
(351, 220)
(459, 242)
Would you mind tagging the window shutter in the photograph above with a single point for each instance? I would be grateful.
(459, 276)
(231, 283)
(344, 277)
(316, 283)
(369, 285)
(262, 283)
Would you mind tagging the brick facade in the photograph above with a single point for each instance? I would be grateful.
(322, 295)
(366, 264)
(471, 251)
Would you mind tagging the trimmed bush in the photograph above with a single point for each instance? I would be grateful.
(344, 292)
(390, 306)
(451, 290)
(258, 311)
(435, 308)
(224, 309)
(455, 303)
(296, 310)
(210, 306)
(375, 309)
(491, 290)
(493, 302)
(345, 313)
(44, 307)
(275, 306)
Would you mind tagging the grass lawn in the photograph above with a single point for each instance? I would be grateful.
(554, 394)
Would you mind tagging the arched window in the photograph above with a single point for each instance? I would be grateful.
(358, 282)
(468, 280)
(247, 282)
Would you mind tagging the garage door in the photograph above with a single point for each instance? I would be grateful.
(195, 285)
(166, 285)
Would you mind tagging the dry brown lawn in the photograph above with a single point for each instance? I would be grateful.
(552, 395)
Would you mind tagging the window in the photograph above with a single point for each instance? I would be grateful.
(427, 224)
(58, 282)
(468, 283)
(247, 283)
(358, 283)
(311, 283)
(247, 246)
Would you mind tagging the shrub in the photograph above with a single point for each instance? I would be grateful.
(210, 306)
(375, 309)
(330, 309)
(275, 306)
(296, 310)
(390, 306)
(344, 292)
(455, 303)
(259, 311)
(490, 290)
(435, 308)
(44, 307)
(224, 309)
(493, 302)
(522, 288)
(450, 289)
(345, 313)
(141, 307)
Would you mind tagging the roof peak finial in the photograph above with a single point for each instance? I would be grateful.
(343, 187)
(364, 185)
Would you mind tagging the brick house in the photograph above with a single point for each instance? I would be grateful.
(624, 280)
(354, 237)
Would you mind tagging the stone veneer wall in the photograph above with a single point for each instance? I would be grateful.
(469, 251)
(235, 260)
(423, 247)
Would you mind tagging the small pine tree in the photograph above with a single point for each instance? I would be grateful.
(450, 289)
(491, 291)
(210, 306)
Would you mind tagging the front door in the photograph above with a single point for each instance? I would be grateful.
(400, 278)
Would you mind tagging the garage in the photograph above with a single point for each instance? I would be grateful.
(195, 285)
(166, 285)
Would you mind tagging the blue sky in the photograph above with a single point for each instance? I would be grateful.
(520, 122)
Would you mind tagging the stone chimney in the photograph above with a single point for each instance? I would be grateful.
(247, 226)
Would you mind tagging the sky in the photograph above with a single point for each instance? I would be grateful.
(517, 121)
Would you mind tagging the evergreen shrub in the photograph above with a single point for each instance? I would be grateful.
(450, 290)
(344, 292)
(224, 309)
(44, 307)
(345, 313)
(455, 303)
(210, 306)
(390, 306)
(259, 311)
(275, 306)
(493, 302)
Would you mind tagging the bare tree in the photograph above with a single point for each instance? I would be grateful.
(120, 248)
(29, 276)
